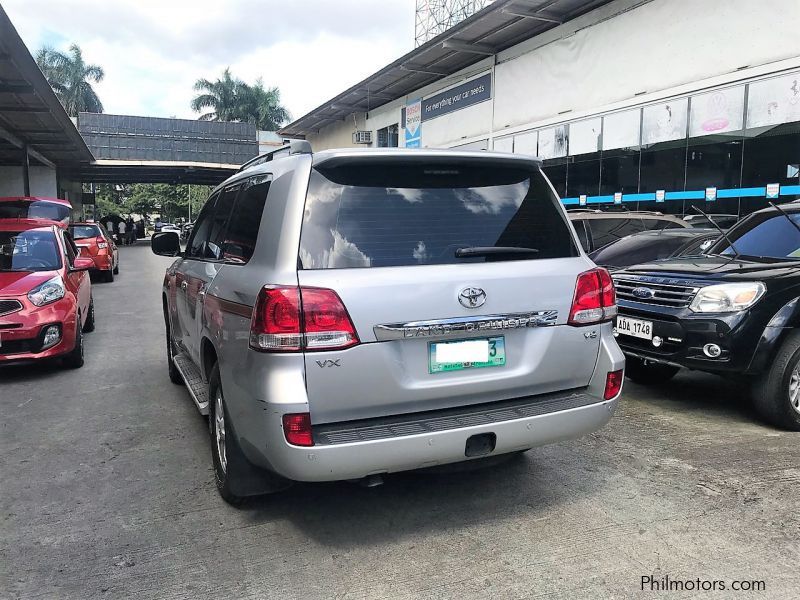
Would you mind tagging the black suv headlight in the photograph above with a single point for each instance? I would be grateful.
(727, 297)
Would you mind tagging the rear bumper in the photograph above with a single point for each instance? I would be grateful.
(354, 460)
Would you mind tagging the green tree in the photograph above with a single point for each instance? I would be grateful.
(220, 96)
(70, 77)
(261, 107)
(231, 99)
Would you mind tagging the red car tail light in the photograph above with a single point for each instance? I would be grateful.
(297, 429)
(595, 300)
(291, 319)
(613, 384)
(326, 322)
(101, 242)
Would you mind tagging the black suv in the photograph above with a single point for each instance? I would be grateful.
(734, 312)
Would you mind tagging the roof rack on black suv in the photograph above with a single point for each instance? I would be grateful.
(293, 147)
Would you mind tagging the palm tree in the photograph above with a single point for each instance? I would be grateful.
(70, 77)
(261, 106)
(220, 96)
(231, 99)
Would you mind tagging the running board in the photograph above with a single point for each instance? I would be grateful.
(198, 389)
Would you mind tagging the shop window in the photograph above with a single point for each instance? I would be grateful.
(664, 122)
(505, 144)
(770, 155)
(714, 161)
(388, 137)
(620, 171)
(556, 171)
(526, 143)
(553, 142)
(583, 175)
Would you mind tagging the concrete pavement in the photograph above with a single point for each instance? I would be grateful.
(106, 491)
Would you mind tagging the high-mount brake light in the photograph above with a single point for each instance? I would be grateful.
(292, 319)
(595, 300)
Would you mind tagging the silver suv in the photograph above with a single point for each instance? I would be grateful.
(350, 313)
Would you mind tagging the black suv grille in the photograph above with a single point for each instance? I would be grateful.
(661, 294)
(9, 306)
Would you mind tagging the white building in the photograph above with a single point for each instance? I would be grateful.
(628, 101)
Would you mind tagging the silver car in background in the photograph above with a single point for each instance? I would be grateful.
(349, 313)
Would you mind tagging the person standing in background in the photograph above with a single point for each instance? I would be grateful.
(129, 226)
(121, 230)
(110, 225)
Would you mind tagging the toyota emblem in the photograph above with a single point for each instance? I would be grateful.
(472, 297)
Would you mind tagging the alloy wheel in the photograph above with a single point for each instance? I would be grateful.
(794, 388)
(219, 431)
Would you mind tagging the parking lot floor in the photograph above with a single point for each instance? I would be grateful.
(106, 491)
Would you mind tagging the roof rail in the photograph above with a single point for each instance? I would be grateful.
(293, 147)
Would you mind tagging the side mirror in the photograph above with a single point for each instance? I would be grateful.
(166, 243)
(82, 264)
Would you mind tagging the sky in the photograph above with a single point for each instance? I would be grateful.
(152, 52)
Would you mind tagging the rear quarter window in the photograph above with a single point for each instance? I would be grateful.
(403, 215)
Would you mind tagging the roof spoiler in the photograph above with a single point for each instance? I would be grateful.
(293, 147)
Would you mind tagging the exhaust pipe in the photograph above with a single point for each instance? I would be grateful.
(371, 481)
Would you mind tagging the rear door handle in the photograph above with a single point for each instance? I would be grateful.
(184, 284)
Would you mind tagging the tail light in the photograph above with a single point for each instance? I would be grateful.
(292, 319)
(595, 300)
(613, 384)
(297, 429)
(101, 242)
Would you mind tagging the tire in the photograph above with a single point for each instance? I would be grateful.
(648, 373)
(776, 394)
(108, 276)
(174, 375)
(88, 327)
(74, 360)
(227, 457)
(115, 270)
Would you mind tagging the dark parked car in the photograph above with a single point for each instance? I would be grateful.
(724, 221)
(597, 229)
(647, 246)
(734, 312)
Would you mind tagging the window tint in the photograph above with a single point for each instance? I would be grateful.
(32, 250)
(773, 237)
(71, 248)
(409, 214)
(201, 230)
(606, 231)
(583, 236)
(240, 239)
(637, 249)
(81, 232)
(219, 222)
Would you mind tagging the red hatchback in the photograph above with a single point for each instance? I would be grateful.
(95, 242)
(45, 293)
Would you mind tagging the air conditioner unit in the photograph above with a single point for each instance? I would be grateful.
(362, 137)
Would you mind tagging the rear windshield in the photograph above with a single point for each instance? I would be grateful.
(399, 215)
(637, 249)
(30, 250)
(81, 232)
(21, 209)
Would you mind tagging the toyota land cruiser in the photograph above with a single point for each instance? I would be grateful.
(347, 314)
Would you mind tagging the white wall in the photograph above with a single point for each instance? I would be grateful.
(628, 51)
(42, 179)
(655, 46)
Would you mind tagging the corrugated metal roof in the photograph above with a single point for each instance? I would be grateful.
(30, 113)
(499, 26)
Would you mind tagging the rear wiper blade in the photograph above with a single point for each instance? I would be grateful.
(492, 250)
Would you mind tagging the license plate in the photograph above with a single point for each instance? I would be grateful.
(635, 327)
(466, 354)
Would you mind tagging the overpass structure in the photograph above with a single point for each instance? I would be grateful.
(44, 152)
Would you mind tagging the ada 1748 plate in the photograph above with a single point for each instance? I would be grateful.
(466, 354)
